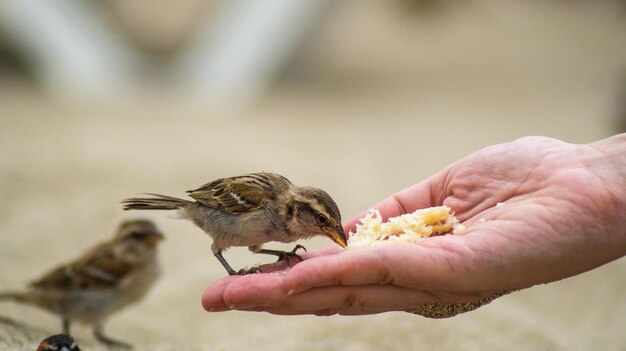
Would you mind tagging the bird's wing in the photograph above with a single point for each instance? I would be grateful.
(98, 269)
(242, 193)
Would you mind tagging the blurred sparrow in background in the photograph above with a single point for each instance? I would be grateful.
(59, 342)
(252, 209)
(105, 279)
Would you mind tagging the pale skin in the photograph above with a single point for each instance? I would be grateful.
(562, 212)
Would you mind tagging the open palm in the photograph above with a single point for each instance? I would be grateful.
(536, 210)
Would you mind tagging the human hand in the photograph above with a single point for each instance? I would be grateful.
(563, 213)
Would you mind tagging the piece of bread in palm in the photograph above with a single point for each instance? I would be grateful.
(409, 228)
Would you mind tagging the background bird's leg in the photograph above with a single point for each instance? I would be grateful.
(282, 255)
(65, 324)
(98, 333)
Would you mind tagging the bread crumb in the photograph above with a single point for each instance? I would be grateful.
(409, 228)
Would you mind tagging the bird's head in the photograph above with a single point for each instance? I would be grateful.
(59, 342)
(137, 239)
(313, 212)
(139, 231)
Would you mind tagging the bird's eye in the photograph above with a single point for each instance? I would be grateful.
(322, 219)
(137, 235)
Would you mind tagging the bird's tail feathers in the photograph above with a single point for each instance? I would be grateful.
(158, 202)
(14, 296)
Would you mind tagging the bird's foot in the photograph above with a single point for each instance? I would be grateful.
(252, 270)
(295, 249)
(286, 255)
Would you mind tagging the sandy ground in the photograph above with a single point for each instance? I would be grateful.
(64, 168)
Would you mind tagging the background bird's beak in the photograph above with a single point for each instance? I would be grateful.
(155, 238)
(337, 235)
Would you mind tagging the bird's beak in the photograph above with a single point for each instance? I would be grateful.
(337, 235)
(155, 238)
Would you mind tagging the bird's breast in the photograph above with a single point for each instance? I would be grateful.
(245, 229)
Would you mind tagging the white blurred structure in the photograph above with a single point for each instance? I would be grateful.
(237, 57)
(77, 52)
(73, 50)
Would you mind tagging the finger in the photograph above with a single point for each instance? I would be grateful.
(246, 291)
(354, 267)
(407, 200)
(213, 297)
(367, 266)
(439, 264)
(442, 263)
(445, 305)
(365, 300)
(284, 311)
(373, 265)
(358, 298)
(329, 250)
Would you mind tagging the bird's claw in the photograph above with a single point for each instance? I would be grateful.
(286, 255)
(252, 270)
(298, 247)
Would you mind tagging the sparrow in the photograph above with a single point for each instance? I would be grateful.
(107, 278)
(251, 210)
(59, 342)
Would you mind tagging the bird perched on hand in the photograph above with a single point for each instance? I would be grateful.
(253, 209)
(105, 279)
(59, 342)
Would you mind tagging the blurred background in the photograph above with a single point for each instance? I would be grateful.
(103, 100)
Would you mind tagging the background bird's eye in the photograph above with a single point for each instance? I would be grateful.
(137, 235)
(322, 219)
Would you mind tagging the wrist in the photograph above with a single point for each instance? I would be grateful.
(609, 163)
